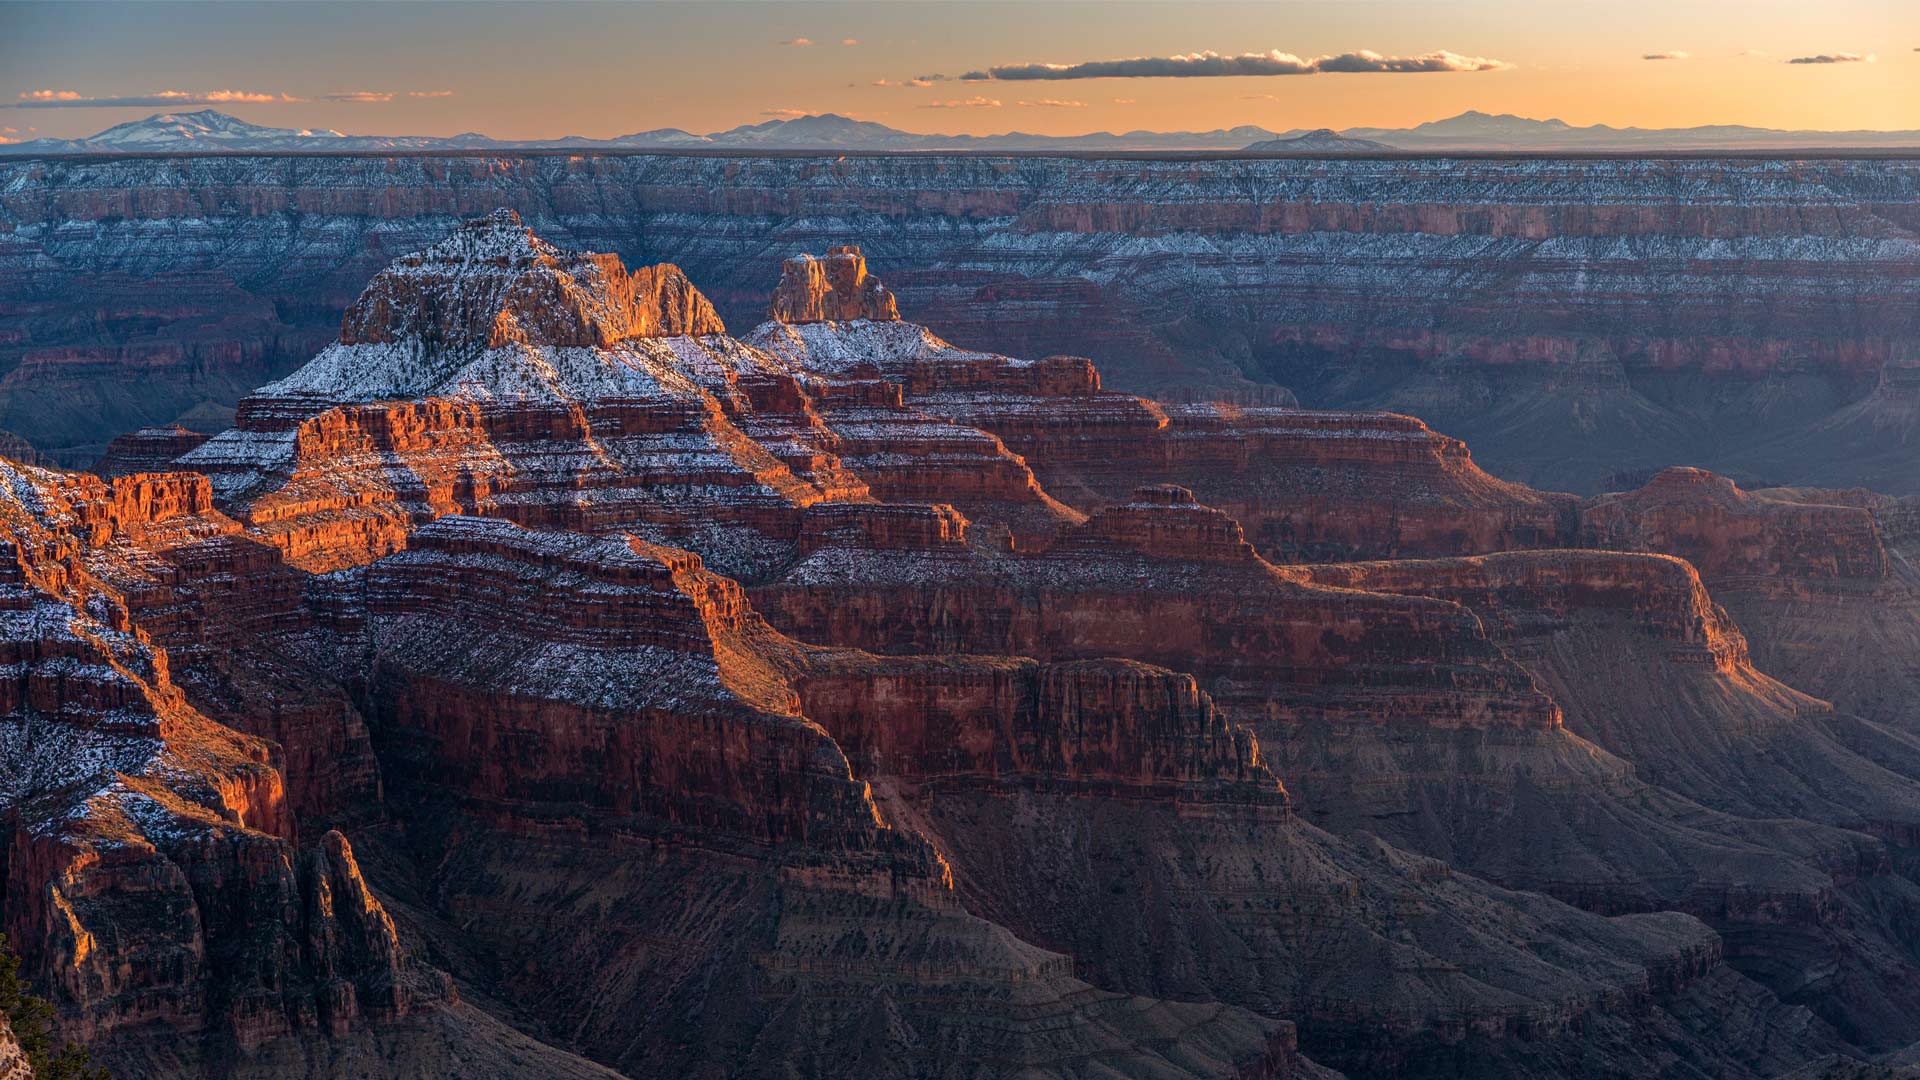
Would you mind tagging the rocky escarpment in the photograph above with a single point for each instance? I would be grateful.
(1504, 302)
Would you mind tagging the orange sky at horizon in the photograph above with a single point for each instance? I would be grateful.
(522, 71)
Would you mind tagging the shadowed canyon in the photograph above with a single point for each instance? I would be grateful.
(918, 631)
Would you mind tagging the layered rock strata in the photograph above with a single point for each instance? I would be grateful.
(1506, 302)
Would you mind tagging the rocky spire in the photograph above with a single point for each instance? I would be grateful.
(494, 283)
(836, 288)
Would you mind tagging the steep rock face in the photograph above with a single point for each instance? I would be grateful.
(943, 743)
(1474, 766)
(1505, 302)
(651, 659)
(1099, 724)
(834, 289)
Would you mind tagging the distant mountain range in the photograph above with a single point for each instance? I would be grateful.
(1323, 141)
(208, 129)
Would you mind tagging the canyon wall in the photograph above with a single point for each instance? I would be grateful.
(1573, 319)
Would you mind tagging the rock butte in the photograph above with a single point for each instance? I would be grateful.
(543, 682)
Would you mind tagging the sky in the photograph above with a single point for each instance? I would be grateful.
(547, 69)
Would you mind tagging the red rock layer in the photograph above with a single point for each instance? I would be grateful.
(1165, 581)
(1523, 593)
(677, 466)
(1112, 726)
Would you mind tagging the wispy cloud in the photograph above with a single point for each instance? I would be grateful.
(1220, 65)
(965, 103)
(1671, 54)
(1834, 58)
(1051, 103)
(361, 97)
(785, 114)
(73, 99)
(1123, 101)
(429, 93)
(799, 41)
(849, 41)
(1754, 52)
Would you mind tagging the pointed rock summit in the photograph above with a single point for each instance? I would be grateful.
(836, 288)
(495, 284)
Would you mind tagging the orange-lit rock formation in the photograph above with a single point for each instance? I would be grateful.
(836, 288)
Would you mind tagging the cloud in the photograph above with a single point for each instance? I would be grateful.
(943, 78)
(1123, 101)
(785, 114)
(429, 93)
(886, 82)
(1754, 52)
(1051, 103)
(1672, 54)
(849, 41)
(73, 99)
(965, 103)
(799, 42)
(361, 97)
(921, 82)
(1834, 58)
(1213, 64)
